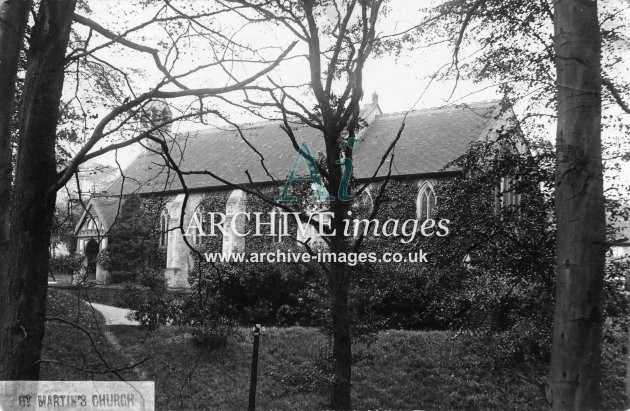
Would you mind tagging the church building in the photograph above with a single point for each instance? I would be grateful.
(431, 139)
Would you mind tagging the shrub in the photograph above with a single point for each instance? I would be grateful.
(80, 277)
(133, 242)
(153, 280)
(155, 311)
(279, 293)
(214, 333)
(119, 277)
(104, 258)
(131, 295)
(66, 264)
(153, 305)
(212, 323)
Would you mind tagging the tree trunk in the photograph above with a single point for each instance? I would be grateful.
(339, 281)
(342, 342)
(24, 292)
(577, 330)
(14, 15)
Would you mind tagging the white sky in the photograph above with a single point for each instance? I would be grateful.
(397, 81)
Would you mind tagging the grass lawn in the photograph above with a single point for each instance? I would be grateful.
(400, 370)
(68, 352)
(397, 370)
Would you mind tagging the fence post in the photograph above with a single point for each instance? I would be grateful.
(254, 375)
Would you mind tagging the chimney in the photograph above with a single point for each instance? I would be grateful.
(375, 98)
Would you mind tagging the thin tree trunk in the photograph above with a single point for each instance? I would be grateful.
(24, 298)
(577, 331)
(342, 342)
(339, 284)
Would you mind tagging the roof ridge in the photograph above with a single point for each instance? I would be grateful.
(242, 126)
(457, 106)
(270, 122)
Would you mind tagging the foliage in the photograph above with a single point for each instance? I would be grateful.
(614, 365)
(118, 277)
(494, 271)
(509, 45)
(104, 258)
(214, 333)
(267, 293)
(65, 218)
(131, 295)
(153, 305)
(65, 264)
(133, 242)
(507, 285)
(615, 296)
(513, 43)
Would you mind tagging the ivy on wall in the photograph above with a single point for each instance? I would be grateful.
(133, 240)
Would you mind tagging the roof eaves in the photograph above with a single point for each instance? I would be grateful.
(425, 175)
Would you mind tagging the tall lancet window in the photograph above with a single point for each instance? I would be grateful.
(278, 225)
(196, 233)
(425, 203)
(505, 194)
(236, 206)
(364, 204)
(164, 217)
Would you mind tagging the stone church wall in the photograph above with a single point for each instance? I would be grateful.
(400, 201)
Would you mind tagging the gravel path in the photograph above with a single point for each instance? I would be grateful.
(114, 315)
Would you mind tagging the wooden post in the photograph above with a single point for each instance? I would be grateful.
(254, 374)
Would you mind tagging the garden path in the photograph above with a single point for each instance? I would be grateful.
(114, 315)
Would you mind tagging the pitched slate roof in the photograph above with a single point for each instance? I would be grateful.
(430, 140)
(104, 208)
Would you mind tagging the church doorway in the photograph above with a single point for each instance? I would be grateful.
(91, 251)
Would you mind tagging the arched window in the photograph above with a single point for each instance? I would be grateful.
(363, 204)
(425, 203)
(93, 223)
(278, 225)
(467, 261)
(506, 195)
(196, 234)
(164, 217)
(236, 203)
